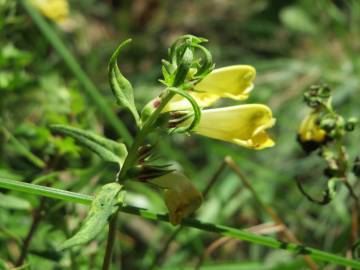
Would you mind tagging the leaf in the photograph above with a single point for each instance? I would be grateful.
(120, 86)
(104, 205)
(14, 203)
(107, 149)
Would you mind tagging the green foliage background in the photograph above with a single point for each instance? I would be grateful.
(292, 44)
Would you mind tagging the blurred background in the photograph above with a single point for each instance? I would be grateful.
(292, 44)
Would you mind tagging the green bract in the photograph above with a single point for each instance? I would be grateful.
(120, 86)
(188, 62)
(195, 107)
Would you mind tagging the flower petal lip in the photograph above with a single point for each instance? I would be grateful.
(244, 125)
(235, 82)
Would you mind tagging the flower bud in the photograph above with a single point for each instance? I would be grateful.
(339, 129)
(316, 95)
(183, 68)
(327, 124)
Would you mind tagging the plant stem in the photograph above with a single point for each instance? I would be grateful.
(354, 217)
(37, 215)
(193, 223)
(90, 89)
(128, 163)
(140, 137)
(110, 242)
(34, 225)
(352, 193)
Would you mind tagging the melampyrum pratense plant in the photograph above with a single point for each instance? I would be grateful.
(323, 131)
(190, 85)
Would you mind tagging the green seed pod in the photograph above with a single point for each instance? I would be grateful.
(327, 124)
(351, 124)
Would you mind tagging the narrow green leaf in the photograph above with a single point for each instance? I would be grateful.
(107, 149)
(104, 205)
(120, 86)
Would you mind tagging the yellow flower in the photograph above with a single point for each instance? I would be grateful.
(180, 195)
(244, 125)
(310, 131)
(235, 82)
(310, 135)
(56, 10)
